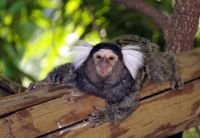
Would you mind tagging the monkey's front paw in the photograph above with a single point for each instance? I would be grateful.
(32, 86)
(178, 84)
(97, 118)
(71, 86)
(38, 85)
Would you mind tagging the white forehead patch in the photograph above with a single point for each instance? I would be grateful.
(133, 59)
(80, 53)
(105, 52)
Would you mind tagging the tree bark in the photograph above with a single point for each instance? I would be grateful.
(143, 7)
(179, 29)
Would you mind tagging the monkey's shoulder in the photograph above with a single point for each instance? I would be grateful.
(62, 74)
(144, 44)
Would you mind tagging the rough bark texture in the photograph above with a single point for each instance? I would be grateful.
(179, 29)
(183, 24)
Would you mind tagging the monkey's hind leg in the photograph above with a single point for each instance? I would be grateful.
(177, 81)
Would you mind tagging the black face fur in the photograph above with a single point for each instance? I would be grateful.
(117, 69)
(115, 48)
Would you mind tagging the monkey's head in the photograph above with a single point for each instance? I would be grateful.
(103, 58)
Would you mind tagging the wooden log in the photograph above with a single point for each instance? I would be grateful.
(162, 111)
(189, 69)
(157, 117)
(22, 100)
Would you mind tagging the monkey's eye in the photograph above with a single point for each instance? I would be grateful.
(98, 57)
(111, 58)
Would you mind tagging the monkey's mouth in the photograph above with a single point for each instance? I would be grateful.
(103, 72)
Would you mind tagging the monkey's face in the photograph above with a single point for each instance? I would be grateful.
(104, 60)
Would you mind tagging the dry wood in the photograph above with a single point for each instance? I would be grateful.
(189, 69)
(156, 117)
(19, 101)
(45, 111)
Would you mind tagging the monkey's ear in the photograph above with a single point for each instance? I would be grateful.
(80, 53)
(133, 58)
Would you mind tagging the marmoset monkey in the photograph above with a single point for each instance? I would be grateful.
(115, 71)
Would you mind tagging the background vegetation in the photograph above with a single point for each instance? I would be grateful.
(35, 35)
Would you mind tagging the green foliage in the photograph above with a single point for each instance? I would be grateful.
(35, 36)
(192, 133)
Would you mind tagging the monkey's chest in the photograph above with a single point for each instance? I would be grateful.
(110, 92)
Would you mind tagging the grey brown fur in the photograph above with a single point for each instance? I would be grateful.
(120, 90)
(158, 66)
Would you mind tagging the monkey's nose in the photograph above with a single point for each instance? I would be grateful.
(103, 64)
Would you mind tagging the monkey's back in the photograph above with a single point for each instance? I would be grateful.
(159, 66)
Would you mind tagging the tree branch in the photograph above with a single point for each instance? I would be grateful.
(179, 29)
(143, 7)
(180, 33)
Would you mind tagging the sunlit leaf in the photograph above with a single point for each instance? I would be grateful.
(8, 19)
(49, 3)
(38, 17)
(71, 6)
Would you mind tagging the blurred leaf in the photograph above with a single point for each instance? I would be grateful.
(71, 6)
(3, 4)
(39, 19)
(16, 6)
(48, 3)
(8, 20)
(191, 133)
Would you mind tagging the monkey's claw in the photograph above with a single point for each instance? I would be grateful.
(96, 119)
(71, 86)
(38, 85)
(179, 84)
(32, 86)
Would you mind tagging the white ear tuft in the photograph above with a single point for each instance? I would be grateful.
(80, 52)
(133, 59)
